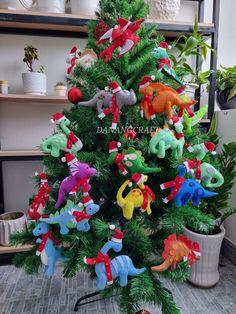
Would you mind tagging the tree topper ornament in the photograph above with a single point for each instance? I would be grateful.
(120, 36)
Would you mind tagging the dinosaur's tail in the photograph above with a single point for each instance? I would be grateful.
(151, 170)
(164, 266)
(46, 147)
(209, 193)
(184, 104)
(133, 271)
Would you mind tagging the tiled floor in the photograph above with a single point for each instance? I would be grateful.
(37, 295)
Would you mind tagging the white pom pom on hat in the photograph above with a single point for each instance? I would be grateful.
(112, 227)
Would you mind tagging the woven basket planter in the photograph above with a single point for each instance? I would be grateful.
(9, 223)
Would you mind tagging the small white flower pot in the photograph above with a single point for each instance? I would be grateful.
(60, 90)
(205, 273)
(86, 7)
(164, 9)
(51, 6)
(34, 83)
(10, 223)
(190, 90)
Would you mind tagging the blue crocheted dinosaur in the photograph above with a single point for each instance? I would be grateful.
(185, 190)
(49, 249)
(119, 267)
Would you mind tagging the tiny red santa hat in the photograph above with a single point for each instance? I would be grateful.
(137, 178)
(209, 147)
(146, 81)
(42, 176)
(189, 165)
(57, 117)
(164, 45)
(176, 120)
(118, 236)
(114, 87)
(85, 201)
(73, 50)
(123, 23)
(189, 147)
(196, 249)
(69, 159)
(113, 146)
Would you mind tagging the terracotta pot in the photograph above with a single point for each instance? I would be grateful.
(205, 273)
(9, 223)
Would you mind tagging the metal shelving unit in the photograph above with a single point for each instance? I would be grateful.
(68, 25)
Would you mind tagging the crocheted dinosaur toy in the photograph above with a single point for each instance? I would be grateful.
(129, 161)
(165, 99)
(178, 249)
(140, 197)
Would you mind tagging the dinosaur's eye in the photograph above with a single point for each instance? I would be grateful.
(87, 168)
(39, 228)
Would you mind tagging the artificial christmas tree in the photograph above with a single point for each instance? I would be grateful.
(144, 230)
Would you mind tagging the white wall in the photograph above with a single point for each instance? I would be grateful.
(24, 125)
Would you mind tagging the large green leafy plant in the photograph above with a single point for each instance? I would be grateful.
(226, 81)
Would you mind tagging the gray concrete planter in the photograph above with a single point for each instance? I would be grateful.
(9, 223)
(204, 273)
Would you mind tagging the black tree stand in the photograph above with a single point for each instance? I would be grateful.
(87, 296)
(90, 295)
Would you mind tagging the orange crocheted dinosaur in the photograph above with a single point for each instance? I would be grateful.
(178, 249)
(165, 98)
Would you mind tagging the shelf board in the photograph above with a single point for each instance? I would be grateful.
(15, 249)
(23, 154)
(19, 153)
(19, 98)
(72, 25)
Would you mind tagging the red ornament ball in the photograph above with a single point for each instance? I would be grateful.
(74, 95)
(131, 134)
(101, 28)
(142, 312)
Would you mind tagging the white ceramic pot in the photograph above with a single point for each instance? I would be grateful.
(60, 90)
(164, 9)
(15, 4)
(34, 83)
(9, 223)
(51, 6)
(205, 273)
(190, 90)
(86, 7)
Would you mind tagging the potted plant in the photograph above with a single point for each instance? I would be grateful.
(10, 223)
(34, 83)
(51, 6)
(60, 89)
(164, 9)
(187, 47)
(84, 7)
(226, 88)
(205, 273)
